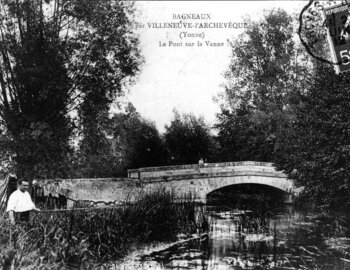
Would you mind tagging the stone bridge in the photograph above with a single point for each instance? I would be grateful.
(199, 181)
(184, 180)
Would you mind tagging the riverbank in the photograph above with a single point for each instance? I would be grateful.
(133, 259)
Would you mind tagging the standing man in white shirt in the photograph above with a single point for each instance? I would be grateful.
(20, 203)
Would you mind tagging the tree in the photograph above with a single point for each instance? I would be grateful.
(127, 141)
(34, 89)
(315, 150)
(248, 135)
(188, 139)
(261, 81)
(136, 141)
(116, 59)
(54, 56)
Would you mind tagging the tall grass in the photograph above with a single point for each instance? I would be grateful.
(83, 239)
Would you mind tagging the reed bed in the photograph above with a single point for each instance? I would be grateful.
(85, 239)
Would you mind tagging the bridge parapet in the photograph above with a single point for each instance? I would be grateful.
(212, 175)
(209, 169)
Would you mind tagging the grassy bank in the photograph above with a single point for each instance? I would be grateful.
(86, 238)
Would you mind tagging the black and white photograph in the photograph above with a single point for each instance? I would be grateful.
(174, 135)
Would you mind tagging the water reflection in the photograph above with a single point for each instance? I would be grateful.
(284, 239)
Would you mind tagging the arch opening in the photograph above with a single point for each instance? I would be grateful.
(248, 196)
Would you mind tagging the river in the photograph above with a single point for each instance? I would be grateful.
(283, 238)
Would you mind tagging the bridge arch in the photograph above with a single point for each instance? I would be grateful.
(273, 180)
(202, 180)
(239, 185)
(239, 193)
(276, 180)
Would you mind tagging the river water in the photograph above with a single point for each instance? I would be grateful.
(283, 238)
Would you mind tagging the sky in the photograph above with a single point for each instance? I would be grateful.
(187, 78)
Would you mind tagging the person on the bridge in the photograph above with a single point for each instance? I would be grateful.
(201, 162)
(20, 203)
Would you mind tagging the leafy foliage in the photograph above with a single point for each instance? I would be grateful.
(56, 57)
(314, 151)
(126, 141)
(34, 88)
(188, 139)
(261, 79)
(115, 59)
(136, 140)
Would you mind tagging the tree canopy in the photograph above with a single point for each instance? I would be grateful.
(137, 140)
(263, 75)
(314, 150)
(188, 139)
(57, 57)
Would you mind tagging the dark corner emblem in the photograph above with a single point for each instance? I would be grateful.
(322, 22)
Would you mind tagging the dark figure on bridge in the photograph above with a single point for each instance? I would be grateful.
(201, 163)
